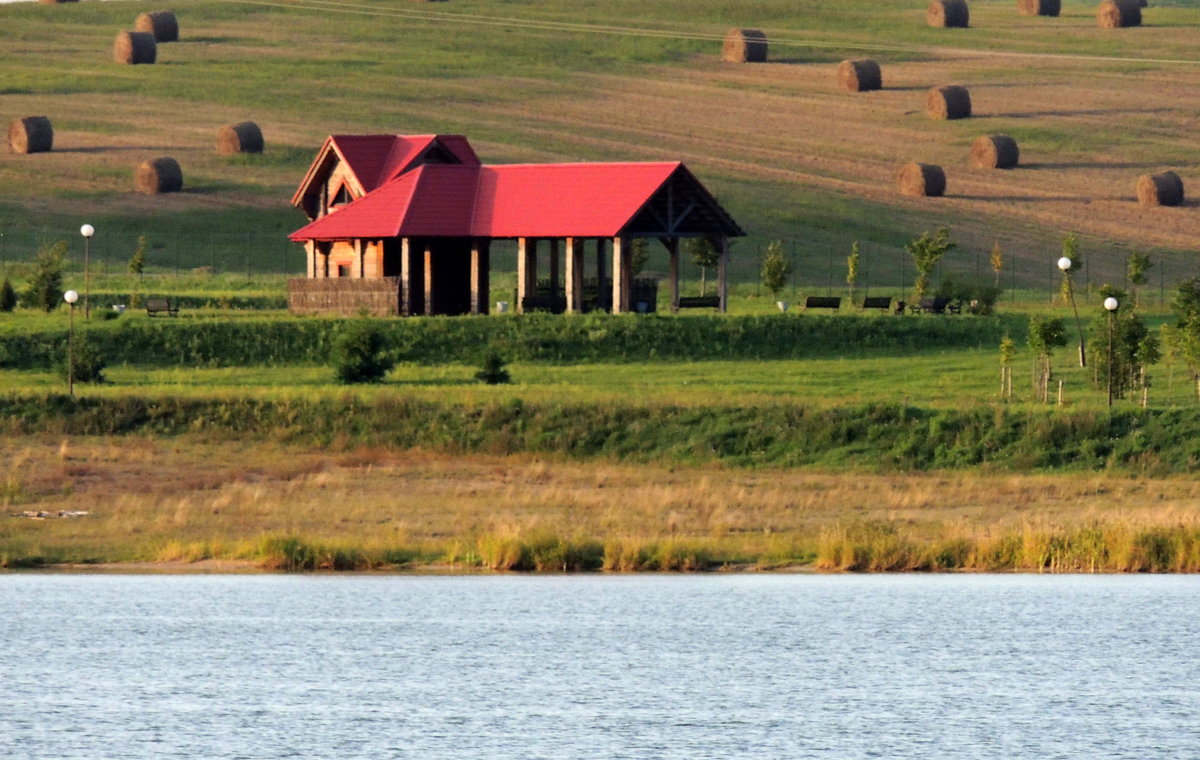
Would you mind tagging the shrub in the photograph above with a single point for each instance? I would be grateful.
(8, 297)
(493, 372)
(45, 286)
(89, 364)
(359, 355)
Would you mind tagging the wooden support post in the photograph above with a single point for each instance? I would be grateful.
(723, 274)
(310, 248)
(673, 253)
(622, 291)
(601, 296)
(554, 268)
(361, 246)
(574, 280)
(429, 304)
(406, 283)
(526, 270)
(480, 266)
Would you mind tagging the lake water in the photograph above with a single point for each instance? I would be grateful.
(102, 666)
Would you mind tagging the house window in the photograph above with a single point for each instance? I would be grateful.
(342, 197)
(343, 270)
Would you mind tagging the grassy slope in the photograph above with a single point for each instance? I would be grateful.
(375, 66)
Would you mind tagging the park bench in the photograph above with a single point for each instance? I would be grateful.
(877, 302)
(936, 306)
(160, 306)
(699, 302)
(823, 302)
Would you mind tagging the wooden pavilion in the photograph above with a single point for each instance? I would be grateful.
(404, 225)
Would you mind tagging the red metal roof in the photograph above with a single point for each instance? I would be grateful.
(523, 200)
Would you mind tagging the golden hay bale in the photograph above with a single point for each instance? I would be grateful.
(995, 152)
(162, 24)
(859, 75)
(922, 180)
(158, 175)
(948, 13)
(1039, 7)
(135, 47)
(1164, 189)
(1117, 14)
(950, 102)
(32, 134)
(744, 46)
(240, 138)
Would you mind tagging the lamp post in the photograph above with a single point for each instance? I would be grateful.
(71, 297)
(87, 231)
(1110, 304)
(1065, 265)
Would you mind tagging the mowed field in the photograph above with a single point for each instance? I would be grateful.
(792, 157)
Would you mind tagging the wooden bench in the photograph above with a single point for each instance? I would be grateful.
(823, 302)
(160, 306)
(878, 302)
(699, 302)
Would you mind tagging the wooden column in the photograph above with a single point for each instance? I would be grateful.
(526, 270)
(310, 249)
(673, 253)
(554, 268)
(429, 304)
(574, 281)
(601, 296)
(722, 273)
(480, 266)
(406, 283)
(360, 247)
(622, 276)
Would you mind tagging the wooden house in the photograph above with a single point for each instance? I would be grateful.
(404, 225)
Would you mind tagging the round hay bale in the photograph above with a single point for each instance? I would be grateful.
(948, 13)
(950, 102)
(744, 46)
(240, 138)
(32, 134)
(995, 152)
(859, 75)
(162, 24)
(1039, 7)
(921, 180)
(158, 175)
(135, 47)
(1164, 189)
(1118, 14)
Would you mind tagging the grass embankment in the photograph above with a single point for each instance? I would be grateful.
(300, 509)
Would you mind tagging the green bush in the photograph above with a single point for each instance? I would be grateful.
(8, 297)
(359, 355)
(493, 371)
(87, 360)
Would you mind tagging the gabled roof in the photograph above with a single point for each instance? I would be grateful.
(524, 200)
(374, 160)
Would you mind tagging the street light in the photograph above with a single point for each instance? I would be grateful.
(71, 297)
(1065, 265)
(1111, 305)
(87, 231)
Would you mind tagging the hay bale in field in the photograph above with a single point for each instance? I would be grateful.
(158, 175)
(240, 138)
(1117, 14)
(162, 24)
(859, 75)
(1164, 189)
(744, 46)
(949, 102)
(948, 13)
(1039, 7)
(32, 134)
(135, 47)
(995, 152)
(921, 180)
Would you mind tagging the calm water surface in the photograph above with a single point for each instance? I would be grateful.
(97, 666)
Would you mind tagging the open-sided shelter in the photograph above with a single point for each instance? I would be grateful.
(416, 215)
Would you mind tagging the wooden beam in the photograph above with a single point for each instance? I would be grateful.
(480, 267)
(526, 270)
(406, 272)
(574, 280)
(673, 252)
(722, 274)
(429, 304)
(622, 291)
